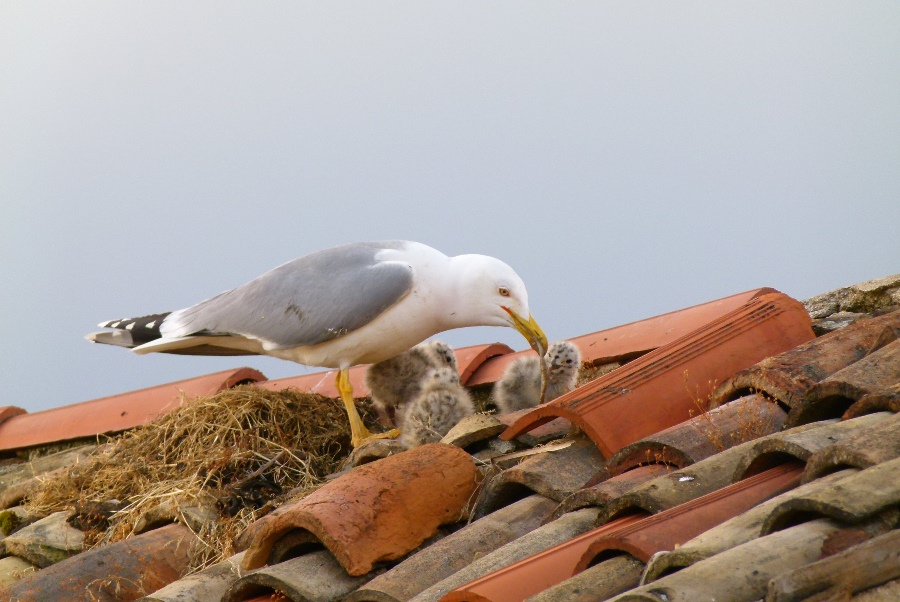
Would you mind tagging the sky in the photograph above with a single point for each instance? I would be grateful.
(626, 158)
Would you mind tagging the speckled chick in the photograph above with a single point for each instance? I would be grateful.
(394, 382)
(442, 403)
(520, 387)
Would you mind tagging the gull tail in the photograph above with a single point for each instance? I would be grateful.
(143, 335)
(129, 332)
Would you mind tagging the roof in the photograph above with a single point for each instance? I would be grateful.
(744, 449)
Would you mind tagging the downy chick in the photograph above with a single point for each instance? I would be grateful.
(520, 387)
(394, 382)
(442, 403)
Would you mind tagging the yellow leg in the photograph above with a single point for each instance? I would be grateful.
(358, 431)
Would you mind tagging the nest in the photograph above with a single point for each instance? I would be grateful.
(232, 455)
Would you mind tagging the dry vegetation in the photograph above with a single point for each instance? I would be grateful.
(232, 456)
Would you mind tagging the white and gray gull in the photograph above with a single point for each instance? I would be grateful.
(353, 304)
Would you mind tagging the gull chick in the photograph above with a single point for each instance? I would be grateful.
(520, 387)
(440, 405)
(394, 382)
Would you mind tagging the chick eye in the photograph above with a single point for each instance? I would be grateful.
(504, 292)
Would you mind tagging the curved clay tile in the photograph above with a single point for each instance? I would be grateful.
(799, 444)
(850, 500)
(608, 489)
(124, 570)
(547, 536)
(736, 422)
(787, 376)
(875, 443)
(834, 395)
(554, 474)
(208, 584)
(455, 551)
(741, 573)
(115, 413)
(732, 533)
(633, 339)
(851, 571)
(313, 576)
(379, 511)
(468, 359)
(664, 387)
(882, 400)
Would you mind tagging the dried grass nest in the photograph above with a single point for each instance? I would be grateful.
(234, 455)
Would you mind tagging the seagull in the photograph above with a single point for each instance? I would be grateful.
(520, 386)
(441, 403)
(358, 303)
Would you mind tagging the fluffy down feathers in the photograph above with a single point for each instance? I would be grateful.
(520, 387)
(442, 403)
(394, 382)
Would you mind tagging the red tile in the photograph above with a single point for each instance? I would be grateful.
(664, 387)
(124, 570)
(534, 574)
(736, 422)
(467, 359)
(115, 413)
(379, 511)
(7, 412)
(677, 525)
(638, 535)
(631, 339)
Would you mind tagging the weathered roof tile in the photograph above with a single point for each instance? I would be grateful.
(208, 584)
(554, 474)
(312, 577)
(379, 511)
(454, 552)
(877, 442)
(662, 388)
(124, 570)
(115, 413)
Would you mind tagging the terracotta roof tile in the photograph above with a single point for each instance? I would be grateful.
(831, 397)
(313, 576)
(741, 573)
(603, 492)
(115, 413)
(800, 444)
(837, 577)
(787, 376)
(540, 539)
(208, 584)
(659, 389)
(125, 570)
(730, 534)
(7, 412)
(738, 421)
(635, 338)
(456, 551)
(671, 528)
(468, 359)
(599, 582)
(639, 536)
(877, 442)
(379, 511)
(725, 468)
(886, 399)
(535, 573)
(850, 500)
(554, 474)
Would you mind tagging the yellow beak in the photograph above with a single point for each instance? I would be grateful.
(531, 331)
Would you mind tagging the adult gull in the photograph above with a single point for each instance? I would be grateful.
(358, 303)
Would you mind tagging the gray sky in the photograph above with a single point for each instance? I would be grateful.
(627, 159)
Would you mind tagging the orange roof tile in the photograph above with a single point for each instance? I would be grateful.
(115, 413)
(663, 387)
(631, 339)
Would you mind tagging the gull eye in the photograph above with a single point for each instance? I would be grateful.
(504, 292)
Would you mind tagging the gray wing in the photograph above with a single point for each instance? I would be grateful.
(310, 300)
